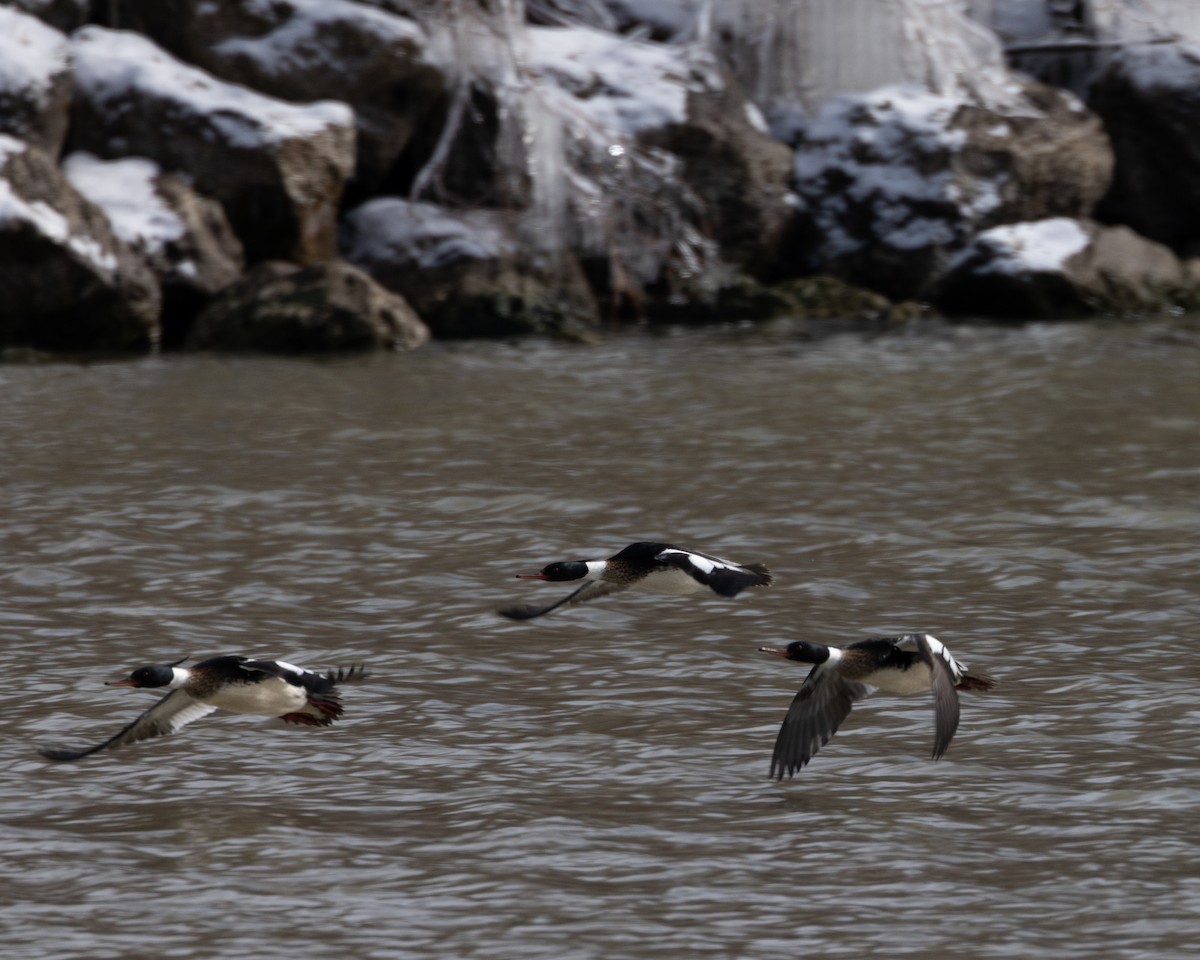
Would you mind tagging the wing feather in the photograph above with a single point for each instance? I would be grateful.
(945, 699)
(722, 576)
(589, 591)
(173, 712)
(817, 711)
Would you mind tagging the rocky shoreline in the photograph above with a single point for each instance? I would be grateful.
(319, 175)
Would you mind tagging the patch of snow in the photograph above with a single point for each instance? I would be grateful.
(124, 190)
(111, 63)
(615, 82)
(31, 54)
(756, 118)
(1134, 20)
(305, 35)
(887, 151)
(1166, 68)
(45, 219)
(1040, 246)
(9, 146)
(90, 249)
(389, 230)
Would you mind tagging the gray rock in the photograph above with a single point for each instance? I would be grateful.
(185, 238)
(896, 181)
(278, 168)
(35, 80)
(1060, 268)
(466, 272)
(1149, 99)
(740, 173)
(307, 50)
(282, 308)
(69, 283)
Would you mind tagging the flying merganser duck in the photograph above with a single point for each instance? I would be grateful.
(912, 663)
(649, 566)
(267, 688)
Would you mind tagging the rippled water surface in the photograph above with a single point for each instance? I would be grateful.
(594, 784)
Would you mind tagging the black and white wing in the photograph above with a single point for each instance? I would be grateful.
(722, 576)
(589, 591)
(944, 673)
(819, 708)
(173, 712)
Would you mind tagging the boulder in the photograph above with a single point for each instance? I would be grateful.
(283, 308)
(1149, 99)
(894, 182)
(278, 168)
(35, 80)
(741, 175)
(185, 238)
(70, 284)
(466, 272)
(307, 50)
(670, 176)
(1060, 268)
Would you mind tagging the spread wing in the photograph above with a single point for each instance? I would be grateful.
(945, 700)
(173, 712)
(814, 716)
(589, 591)
(726, 578)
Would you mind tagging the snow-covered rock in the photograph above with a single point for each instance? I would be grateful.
(35, 80)
(281, 308)
(673, 143)
(466, 272)
(894, 182)
(1149, 99)
(618, 84)
(69, 282)
(186, 238)
(309, 50)
(278, 168)
(1059, 267)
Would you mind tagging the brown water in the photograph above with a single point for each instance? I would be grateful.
(594, 784)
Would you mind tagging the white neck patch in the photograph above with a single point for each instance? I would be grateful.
(595, 569)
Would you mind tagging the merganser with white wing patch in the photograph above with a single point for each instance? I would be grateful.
(267, 688)
(647, 566)
(911, 663)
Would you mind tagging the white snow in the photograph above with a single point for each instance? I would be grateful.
(310, 33)
(44, 218)
(615, 82)
(876, 145)
(395, 231)
(31, 53)
(1040, 246)
(10, 146)
(124, 190)
(109, 64)
(1165, 68)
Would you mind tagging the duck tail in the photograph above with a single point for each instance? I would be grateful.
(975, 681)
(347, 674)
